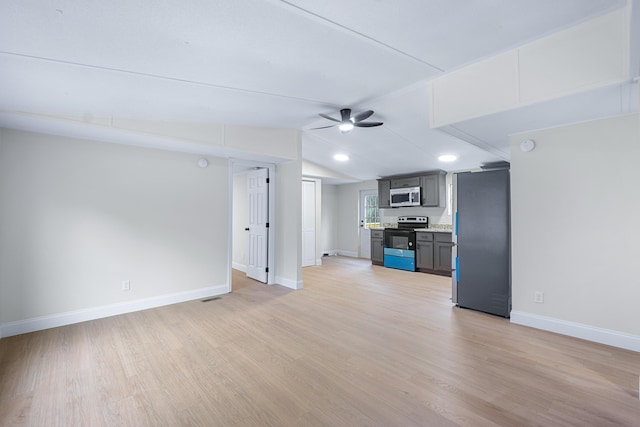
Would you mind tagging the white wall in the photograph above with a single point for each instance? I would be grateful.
(240, 221)
(288, 224)
(313, 170)
(586, 56)
(266, 144)
(575, 203)
(348, 220)
(330, 219)
(318, 217)
(79, 217)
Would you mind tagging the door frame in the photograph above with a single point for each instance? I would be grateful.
(238, 166)
(361, 214)
(315, 222)
(258, 210)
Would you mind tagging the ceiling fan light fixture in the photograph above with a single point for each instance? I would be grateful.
(347, 122)
(341, 157)
(448, 158)
(346, 127)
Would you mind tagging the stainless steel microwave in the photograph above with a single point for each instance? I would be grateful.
(409, 196)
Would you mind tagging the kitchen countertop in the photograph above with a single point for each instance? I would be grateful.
(424, 230)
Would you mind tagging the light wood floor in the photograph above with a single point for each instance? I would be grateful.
(360, 345)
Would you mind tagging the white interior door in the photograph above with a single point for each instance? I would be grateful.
(258, 219)
(308, 223)
(369, 217)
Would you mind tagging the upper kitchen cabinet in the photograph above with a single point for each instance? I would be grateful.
(384, 197)
(406, 182)
(433, 190)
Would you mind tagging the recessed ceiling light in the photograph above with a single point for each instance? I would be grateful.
(448, 158)
(341, 157)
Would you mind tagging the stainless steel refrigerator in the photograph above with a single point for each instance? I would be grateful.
(482, 276)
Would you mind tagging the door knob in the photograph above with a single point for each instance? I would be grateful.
(246, 229)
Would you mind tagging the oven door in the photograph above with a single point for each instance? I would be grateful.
(398, 251)
(400, 239)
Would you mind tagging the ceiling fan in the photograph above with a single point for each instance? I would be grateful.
(347, 122)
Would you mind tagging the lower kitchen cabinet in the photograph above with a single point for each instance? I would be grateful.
(424, 251)
(433, 252)
(442, 252)
(377, 247)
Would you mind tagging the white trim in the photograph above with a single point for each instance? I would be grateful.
(578, 330)
(332, 252)
(319, 261)
(230, 174)
(348, 253)
(77, 316)
(288, 283)
(240, 267)
(234, 164)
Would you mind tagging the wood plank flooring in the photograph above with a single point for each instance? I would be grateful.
(360, 345)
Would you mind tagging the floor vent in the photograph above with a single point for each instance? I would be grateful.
(211, 299)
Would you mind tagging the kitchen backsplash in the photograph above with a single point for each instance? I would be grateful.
(435, 215)
(392, 222)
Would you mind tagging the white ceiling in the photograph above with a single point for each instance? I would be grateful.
(280, 63)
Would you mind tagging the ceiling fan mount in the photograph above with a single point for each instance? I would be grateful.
(348, 122)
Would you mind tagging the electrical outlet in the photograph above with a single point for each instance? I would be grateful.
(126, 285)
(538, 297)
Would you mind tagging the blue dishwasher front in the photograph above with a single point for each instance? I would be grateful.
(402, 259)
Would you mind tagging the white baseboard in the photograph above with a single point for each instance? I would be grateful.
(578, 330)
(319, 261)
(238, 266)
(348, 253)
(332, 252)
(288, 283)
(77, 316)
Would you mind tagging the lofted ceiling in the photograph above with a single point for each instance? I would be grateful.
(281, 63)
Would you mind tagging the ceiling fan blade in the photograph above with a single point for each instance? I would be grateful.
(362, 116)
(345, 113)
(329, 118)
(368, 124)
(324, 127)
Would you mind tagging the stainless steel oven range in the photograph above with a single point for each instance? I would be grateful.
(400, 242)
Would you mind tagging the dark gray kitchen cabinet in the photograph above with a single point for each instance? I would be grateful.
(384, 189)
(442, 252)
(410, 181)
(377, 247)
(433, 252)
(424, 251)
(433, 190)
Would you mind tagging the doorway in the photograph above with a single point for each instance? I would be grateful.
(257, 224)
(256, 262)
(308, 223)
(369, 218)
